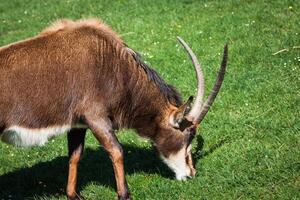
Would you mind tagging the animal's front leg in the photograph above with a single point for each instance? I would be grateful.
(103, 131)
(75, 146)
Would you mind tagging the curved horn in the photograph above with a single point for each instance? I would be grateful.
(215, 89)
(195, 111)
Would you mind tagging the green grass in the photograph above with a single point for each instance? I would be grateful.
(256, 112)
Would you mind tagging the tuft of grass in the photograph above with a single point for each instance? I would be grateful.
(251, 135)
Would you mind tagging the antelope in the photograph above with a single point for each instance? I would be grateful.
(82, 73)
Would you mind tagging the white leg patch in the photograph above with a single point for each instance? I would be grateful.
(25, 137)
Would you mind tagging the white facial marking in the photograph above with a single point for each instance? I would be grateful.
(189, 148)
(177, 163)
(22, 136)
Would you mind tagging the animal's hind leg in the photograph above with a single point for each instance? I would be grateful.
(75, 146)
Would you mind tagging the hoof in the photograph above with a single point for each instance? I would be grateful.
(123, 198)
(127, 197)
(76, 197)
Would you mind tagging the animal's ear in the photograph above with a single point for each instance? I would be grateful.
(177, 117)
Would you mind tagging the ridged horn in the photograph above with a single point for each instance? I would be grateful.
(195, 110)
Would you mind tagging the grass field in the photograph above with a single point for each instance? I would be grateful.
(251, 135)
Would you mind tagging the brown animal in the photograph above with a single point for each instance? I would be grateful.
(83, 73)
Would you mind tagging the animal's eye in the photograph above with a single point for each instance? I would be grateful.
(186, 157)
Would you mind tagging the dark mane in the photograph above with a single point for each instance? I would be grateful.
(168, 91)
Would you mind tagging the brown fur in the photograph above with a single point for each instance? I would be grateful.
(83, 71)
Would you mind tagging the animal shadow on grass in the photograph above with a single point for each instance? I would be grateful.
(200, 153)
(49, 178)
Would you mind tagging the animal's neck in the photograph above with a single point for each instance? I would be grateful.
(142, 99)
(142, 94)
(142, 102)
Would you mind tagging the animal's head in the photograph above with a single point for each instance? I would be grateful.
(179, 124)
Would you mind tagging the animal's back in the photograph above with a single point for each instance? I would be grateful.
(43, 79)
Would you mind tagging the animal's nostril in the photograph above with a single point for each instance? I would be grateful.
(193, 172)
